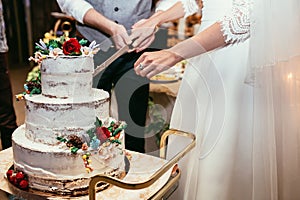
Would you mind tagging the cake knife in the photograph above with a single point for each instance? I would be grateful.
(111, 59)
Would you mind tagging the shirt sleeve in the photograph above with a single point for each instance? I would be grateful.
(190, 6)
(75, 8)
(163, 5)
(236, 24)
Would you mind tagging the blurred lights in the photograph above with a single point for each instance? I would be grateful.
(290, 76)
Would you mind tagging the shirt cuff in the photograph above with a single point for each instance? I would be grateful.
(164, 5)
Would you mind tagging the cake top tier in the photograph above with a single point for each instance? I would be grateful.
(63, 46)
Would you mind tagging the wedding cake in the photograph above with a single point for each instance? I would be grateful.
(68, 135)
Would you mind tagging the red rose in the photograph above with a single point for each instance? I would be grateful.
(71, 47)
(102, 133)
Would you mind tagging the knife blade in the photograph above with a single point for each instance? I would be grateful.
(111, 59)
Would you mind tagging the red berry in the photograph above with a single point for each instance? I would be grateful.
(9, 173)
(13, 179)
(20, 176)
(23, 184)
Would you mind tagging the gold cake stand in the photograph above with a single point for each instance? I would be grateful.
(149, 177)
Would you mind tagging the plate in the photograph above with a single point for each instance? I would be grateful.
(164, 78)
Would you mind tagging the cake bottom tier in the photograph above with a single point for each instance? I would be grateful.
(55, 169)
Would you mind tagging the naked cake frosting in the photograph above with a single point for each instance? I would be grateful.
(68, 135)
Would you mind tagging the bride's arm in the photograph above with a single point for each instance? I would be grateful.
(233, 28)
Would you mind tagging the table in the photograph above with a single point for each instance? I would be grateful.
(170, 89)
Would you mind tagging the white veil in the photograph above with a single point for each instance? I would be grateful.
(274, 70)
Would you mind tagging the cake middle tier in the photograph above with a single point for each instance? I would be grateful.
(49, 118)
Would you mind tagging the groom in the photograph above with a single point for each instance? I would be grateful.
(107, 22)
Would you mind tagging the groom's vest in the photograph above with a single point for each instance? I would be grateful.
(124, 12)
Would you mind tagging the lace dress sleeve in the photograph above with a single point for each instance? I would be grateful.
(236, 25)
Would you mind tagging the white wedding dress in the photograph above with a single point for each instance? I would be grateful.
(216, 105)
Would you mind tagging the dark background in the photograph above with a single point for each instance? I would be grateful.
(26, 22)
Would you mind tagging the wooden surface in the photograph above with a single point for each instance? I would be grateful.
(170, 89)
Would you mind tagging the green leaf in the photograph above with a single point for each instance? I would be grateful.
(116, 141)
(91, 133)
(110, 129)
(74, 150)
(62, 39)
(117, 131)
(112, 123)
(82, 42)
(43, 51)
(61, 139)
(53, 44)
(98, 122)
(75, 54)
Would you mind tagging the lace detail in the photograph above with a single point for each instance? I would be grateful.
(190, 7)
(236, 25)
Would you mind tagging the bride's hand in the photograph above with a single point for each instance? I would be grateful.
(151, 63)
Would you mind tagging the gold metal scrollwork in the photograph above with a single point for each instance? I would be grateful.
(66, 27)
(170, 164)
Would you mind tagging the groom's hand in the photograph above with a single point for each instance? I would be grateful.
(143, 34)
(120, 36)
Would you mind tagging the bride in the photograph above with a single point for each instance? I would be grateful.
(240, 97)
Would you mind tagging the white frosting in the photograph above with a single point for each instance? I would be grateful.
(67, 76)
(57, 163)
(75, 85)
(61, 117)
(68, 105)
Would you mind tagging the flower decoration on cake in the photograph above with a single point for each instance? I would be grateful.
(63, 46)
(104, 133)
(71, 47)
(54, 47)
(33, 83)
